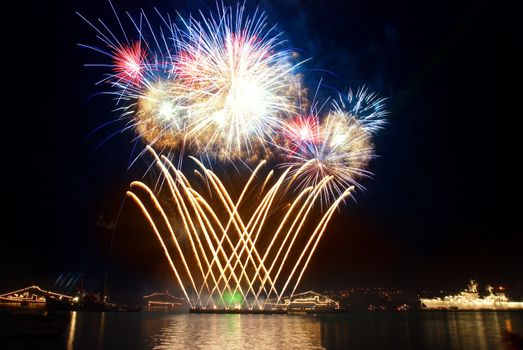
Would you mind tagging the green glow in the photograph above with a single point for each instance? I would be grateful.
(232, 299)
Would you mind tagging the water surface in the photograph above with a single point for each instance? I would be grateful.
(156, 330)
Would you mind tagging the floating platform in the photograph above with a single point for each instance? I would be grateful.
(237, 311)
(266, 311)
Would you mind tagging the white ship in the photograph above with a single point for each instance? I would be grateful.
(469, 299)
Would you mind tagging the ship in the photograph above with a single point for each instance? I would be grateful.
(88, 305)
(469, 299)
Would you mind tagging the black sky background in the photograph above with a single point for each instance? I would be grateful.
(445, 203)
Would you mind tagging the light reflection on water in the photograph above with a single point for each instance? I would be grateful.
(470, 330)
(413, 330)
(240, 332)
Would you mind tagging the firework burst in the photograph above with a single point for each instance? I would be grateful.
(240, 81)
(222, 84)
(302, 130)
(129, 63)
(367, 107)
(162, 115)
(337, 145)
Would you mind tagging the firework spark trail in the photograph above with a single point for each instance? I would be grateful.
(196, 199)
(242, 230)
(307, 206)
(197, 209)
(215, 256)
(166, 251)
(242, 240)
(216, 283)
(190, 228)
(187, 221)
(263, 210)
(203, 216)
(320, 228)
(222, 271)
(225, 235)
(319, 234)
(312, 196)
(167, 222)
(275, 236)
(227, 260)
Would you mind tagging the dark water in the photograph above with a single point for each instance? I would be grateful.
(416, 330)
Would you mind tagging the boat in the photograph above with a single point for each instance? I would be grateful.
(311, 302)
(88, 304)
(469, 299)
(66, 305)
(163, 301)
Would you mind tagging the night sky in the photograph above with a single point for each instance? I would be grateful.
(445, 202)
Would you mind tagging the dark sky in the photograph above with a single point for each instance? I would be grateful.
(445, 203)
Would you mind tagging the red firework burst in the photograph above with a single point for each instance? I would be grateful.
(302, 130)
(129, 63)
